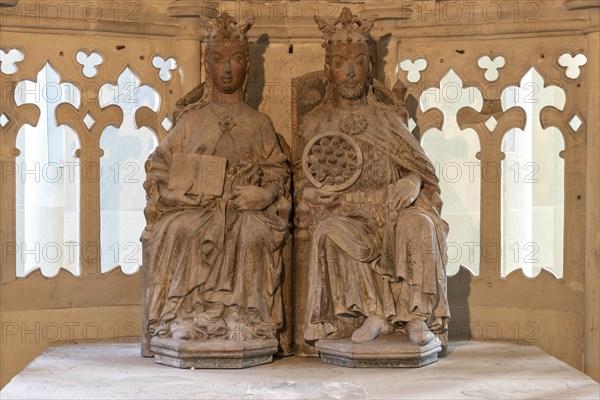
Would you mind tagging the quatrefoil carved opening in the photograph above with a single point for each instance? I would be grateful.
(9, 60)
(491, 66)
(164, 67)
(413, 68)
(572, 64)
(89, 63)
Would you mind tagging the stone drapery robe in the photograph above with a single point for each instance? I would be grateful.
(213, 253)
(365, 260)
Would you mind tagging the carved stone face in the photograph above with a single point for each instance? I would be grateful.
(348, 69)
(227, 66)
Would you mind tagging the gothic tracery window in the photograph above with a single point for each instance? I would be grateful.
(47, 180)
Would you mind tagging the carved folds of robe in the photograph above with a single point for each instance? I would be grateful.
(365, 259)
(214, 256)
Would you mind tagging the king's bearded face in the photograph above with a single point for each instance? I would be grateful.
(227, 66)
(348, 69)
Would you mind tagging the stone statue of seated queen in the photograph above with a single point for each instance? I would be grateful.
(218, 211)
(370, 200)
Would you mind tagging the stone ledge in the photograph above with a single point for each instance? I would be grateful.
(472, 370)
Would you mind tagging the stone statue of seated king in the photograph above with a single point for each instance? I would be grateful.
(370, 200)
(218, 215)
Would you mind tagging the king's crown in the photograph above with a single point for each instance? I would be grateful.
(352, 29)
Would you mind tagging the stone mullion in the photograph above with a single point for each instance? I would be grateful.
(7, 199)
(89, 166)
(8, 155)
(90, 174)
(574, 182)
(490, 223)
(574, 211)
(592, 212)
(18, 116)
(574, 165)
(574, 156)
(491, 157)
(89, 179)
(490, 212)
(89, 210)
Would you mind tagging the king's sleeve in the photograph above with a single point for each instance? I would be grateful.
(413, 161)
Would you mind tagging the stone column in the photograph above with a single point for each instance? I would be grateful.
(591, 352)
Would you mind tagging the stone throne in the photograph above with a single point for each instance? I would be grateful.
(308, 91)
(196, 98)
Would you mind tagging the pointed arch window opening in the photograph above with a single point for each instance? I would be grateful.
(452, 151)
(47, 180)
(532, 201)
(122, 197)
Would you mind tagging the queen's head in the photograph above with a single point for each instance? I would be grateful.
(227, 56)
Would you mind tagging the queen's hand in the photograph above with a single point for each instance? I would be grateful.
(252, 198)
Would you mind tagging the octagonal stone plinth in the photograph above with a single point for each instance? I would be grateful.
(389, 351)
(213, 353)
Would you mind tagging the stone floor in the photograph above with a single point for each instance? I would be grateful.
(472, 370)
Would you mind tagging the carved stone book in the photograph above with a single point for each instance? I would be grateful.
(198, 174)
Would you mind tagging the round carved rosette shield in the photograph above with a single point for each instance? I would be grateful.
(332, 161)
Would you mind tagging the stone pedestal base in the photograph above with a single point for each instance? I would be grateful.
(389, 351)
(214, 353)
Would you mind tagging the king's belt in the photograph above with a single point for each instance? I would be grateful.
(375, 196)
